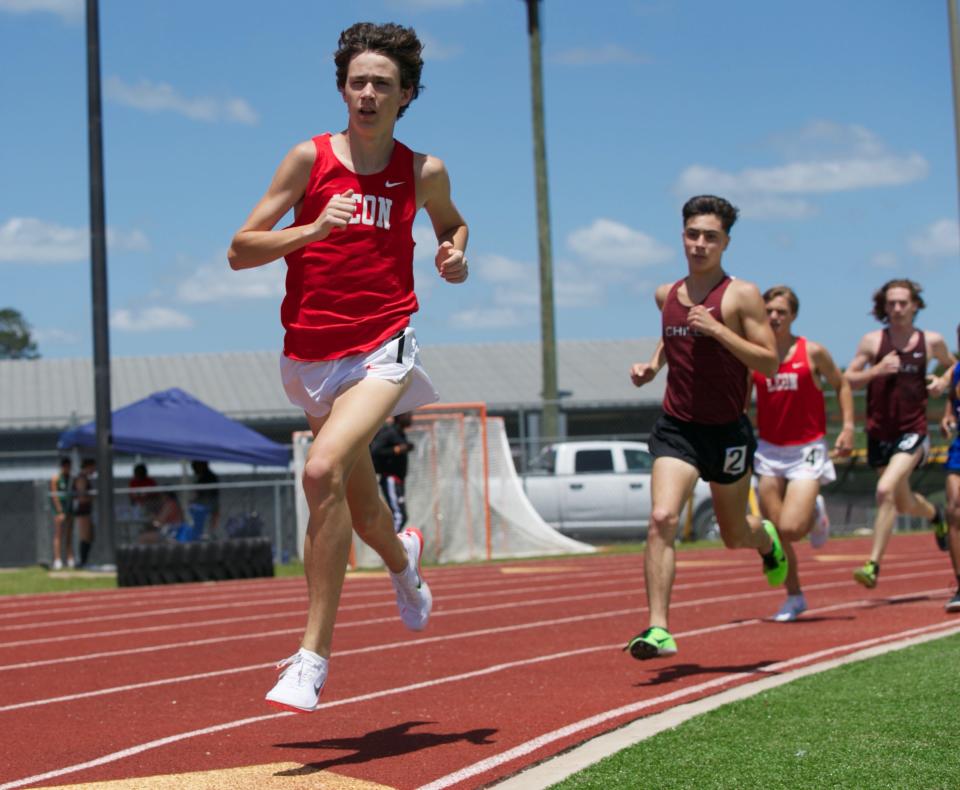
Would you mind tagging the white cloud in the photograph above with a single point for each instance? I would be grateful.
(884, 260)
(610, 243)
(426, 244)
(31, 240)
(161, 97)
(940, 239)
(598, 56)
(826, 157)
(149, 319)
(491, 318)
(500, 269)
(434, 49)
(54, 335)
(426, 5)
(67, 10)
(219, 283)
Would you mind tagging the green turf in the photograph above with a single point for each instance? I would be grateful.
(36, 579)
(888, 722)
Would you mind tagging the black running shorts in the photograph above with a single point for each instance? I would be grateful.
(721, 453)
(879, 451)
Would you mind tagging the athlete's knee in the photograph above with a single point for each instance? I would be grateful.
(323, 477)
(663, 522)
(886, 494)
(792, 530)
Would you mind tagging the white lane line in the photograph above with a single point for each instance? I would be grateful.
(862, 603)
(235, 604)
(376, 621)
(557, 768)
(475, 769)
(290, 613)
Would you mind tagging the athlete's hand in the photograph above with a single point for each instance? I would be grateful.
(936, 385)
(948, 426)
(843, 447)
(336, 215)
(451, 263)
(701, 320)
(889, 365)
(642, 373)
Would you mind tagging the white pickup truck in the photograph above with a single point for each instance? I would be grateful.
(584, 488)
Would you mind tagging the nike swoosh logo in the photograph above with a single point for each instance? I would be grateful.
(796, 365)
(389, 184)
(317, 687)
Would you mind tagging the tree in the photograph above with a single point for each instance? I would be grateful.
(15, 339)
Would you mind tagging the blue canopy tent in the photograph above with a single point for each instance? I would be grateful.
(175, 424)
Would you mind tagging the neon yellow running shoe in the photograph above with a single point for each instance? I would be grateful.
(867, 575)
(774, 563)
(653, 642)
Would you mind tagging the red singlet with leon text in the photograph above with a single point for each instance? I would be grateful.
(352, 291)
(790, 406)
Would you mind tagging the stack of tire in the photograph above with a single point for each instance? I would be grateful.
(200, 561)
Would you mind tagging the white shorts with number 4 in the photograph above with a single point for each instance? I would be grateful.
(794, 462)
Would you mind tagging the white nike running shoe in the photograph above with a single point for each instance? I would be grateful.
(413, 595)
(821, 524)
(792, 608)
(300, 683)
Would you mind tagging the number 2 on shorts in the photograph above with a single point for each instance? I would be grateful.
(735, 460)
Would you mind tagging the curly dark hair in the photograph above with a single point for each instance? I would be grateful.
(398, 43)
(880, 297)
(711, 204)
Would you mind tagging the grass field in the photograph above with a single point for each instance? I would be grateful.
(888, 722)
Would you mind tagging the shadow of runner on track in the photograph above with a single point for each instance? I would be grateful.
(898, 601)
(389, 742)
(677, 671)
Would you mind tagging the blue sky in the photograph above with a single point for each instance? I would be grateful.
(829, 123)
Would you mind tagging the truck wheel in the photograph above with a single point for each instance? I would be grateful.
(705, 525)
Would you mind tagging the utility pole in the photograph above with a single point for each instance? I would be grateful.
(98, 280)
(955, 74)
(548, 336)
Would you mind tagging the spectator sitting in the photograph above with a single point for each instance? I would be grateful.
(169, 515)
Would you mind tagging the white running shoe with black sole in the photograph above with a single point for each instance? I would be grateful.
(414, 599)
(300, 683)
(821, 524)
(792, 608)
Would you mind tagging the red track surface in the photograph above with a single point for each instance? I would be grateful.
(120, 684)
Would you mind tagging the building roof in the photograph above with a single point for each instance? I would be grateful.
(54, 393)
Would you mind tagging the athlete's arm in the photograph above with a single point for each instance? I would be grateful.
(433, 193)
(53, 496)
(824, 365)
(644, 372)
(937, 349)
(861, 370)
(948, 423)
(756, 347)
(256, 243)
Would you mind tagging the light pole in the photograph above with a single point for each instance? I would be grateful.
(98, 279)
(548, 336)
(955, 75)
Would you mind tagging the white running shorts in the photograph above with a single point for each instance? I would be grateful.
(313, 386)
(795, 462)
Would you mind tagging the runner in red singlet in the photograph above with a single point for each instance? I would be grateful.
(792, 458)
(350, 357)
(714, 331)
(892, 364)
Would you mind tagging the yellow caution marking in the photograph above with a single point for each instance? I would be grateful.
(288, 776)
